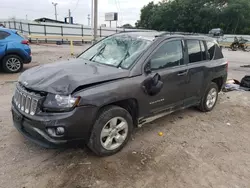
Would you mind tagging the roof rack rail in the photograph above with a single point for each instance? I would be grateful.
(177, 33)
(137, 31)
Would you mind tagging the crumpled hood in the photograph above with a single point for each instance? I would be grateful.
(65, 77)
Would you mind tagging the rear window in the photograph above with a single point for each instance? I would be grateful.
(3, 35)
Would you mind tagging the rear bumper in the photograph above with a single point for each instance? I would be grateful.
(224, 80)
(27, 60)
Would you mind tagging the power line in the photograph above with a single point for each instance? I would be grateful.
(117, 2)
(55, 4)
(75, 6)
(31, 10)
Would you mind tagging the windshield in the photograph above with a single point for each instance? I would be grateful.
(118, 50)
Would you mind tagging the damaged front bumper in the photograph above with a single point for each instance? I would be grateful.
(77, 124)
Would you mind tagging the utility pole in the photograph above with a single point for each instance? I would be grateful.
(55, 4)
(70, 17)
(88, 19)
(95, 18)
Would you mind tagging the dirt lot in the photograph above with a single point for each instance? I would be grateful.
(196, 150)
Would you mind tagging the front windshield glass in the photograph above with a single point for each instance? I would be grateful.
(118, 50)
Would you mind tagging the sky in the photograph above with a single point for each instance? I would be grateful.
(128, 10)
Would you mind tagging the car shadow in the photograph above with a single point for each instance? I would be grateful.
(165, 124)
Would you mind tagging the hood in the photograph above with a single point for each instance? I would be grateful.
(65, 77)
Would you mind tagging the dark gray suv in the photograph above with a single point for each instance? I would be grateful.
(120, 83)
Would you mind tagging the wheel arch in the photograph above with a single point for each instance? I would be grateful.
(219, 82)
(130, 104)
(12, 52)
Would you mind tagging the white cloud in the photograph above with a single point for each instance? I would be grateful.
(128, 10)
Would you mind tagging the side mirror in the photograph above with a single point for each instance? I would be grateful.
(156, 78)
(152, 85)
(147, 68)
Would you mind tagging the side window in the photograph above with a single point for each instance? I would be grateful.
(211, 49)
(203, 50)
(194, 51)
(3, 35)
(169, 54)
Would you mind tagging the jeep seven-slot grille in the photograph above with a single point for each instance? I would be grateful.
(26, 101)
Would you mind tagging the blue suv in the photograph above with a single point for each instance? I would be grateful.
(14, 50)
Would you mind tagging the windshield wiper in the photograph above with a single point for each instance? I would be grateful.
(99, 52)
(123, 59)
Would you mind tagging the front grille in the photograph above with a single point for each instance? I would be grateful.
(26, 101)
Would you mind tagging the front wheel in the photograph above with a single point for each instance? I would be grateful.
(210, 98)
(111, 131)
(12, 64)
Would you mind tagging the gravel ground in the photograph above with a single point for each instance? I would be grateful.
(196, 150)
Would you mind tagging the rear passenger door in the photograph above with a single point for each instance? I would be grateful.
(197, 59)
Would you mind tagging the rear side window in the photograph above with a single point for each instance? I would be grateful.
(218, 53)
(194, 51)
(3, 35)
(211, 49)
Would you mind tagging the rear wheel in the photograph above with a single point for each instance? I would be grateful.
(210, 98)
(12, 64)
(111, 131)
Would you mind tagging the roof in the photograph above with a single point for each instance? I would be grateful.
(148, 35)
(7, 29)
(43, 19)
(151, 35)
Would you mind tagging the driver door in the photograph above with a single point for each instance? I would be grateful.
(168, 61)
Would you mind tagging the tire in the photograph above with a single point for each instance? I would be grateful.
(104, 131)
(12, 64)
(204, 106)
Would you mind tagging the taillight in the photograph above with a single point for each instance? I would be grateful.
(25, 42)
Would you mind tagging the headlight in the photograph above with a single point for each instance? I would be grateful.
(60, 102)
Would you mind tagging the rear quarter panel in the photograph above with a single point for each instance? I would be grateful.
(13, 45)
(215, 69)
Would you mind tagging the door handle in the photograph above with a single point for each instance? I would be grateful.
(182, 73)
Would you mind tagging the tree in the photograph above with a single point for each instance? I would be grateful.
(233, 16)
(127, 26)
(147, 15)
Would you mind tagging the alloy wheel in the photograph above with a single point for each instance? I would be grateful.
(13, 64)
(114, 133)
(211, 98)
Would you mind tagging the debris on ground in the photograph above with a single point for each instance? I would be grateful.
(245, 66)
(235, 85)
(160, 133)
(245, 82)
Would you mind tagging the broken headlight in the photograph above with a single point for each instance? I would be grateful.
(60, 102)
